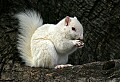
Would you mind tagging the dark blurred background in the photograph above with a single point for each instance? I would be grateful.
(100, 19)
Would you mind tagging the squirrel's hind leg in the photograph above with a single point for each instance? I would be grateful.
(44, 54)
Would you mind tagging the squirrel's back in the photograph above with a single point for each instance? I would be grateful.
(29, 21)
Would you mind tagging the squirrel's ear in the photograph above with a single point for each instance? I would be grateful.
(67, 20)
(75, 17)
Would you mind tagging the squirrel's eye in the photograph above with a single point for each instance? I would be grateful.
(73, 28)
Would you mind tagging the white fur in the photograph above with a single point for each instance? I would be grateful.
(29, 22)
(47, 45)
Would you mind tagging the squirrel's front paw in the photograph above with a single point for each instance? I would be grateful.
(78, 43)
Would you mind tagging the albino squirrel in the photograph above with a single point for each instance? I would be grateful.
(47, 45)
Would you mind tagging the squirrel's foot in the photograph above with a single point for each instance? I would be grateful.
(78, 43)
(62, 66)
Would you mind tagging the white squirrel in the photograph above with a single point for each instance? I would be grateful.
(47, 45)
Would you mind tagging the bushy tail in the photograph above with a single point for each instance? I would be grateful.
(29, 21)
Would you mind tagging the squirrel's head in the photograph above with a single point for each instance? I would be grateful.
(72, 28)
